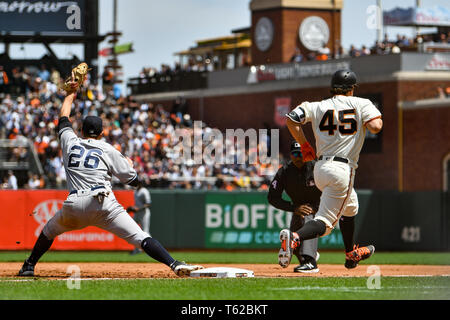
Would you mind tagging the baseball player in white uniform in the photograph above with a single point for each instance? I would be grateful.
(339, 125)
(90, 164)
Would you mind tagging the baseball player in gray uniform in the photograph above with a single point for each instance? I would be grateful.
(141, 209)
(90, 164)
(339, 125)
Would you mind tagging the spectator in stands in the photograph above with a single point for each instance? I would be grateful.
(12, 180)
(395, 49)
(44, 74)
(386, 40)
(323, 53)
(402, 41)
(107, 79)
(365, 51)
(378, 48)
(4, 81)
(55, 77)
(311, 56)
(354, 52)
(441, 94)
(34, 182)
(297, 56)
(179, 108)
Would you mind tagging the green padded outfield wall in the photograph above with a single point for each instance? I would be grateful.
(244, 220)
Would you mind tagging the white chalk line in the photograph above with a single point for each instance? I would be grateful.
(309, 277)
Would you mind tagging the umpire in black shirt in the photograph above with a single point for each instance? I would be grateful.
(297, 179)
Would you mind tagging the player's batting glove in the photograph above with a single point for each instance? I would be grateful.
(308, 152)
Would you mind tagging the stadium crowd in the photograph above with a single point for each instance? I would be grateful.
(29, 109)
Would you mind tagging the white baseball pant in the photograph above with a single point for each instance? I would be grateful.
(80, 211)
(335, 180)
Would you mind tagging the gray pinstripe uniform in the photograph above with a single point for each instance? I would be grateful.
(90, 165)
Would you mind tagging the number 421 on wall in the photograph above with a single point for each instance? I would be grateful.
(411, 234)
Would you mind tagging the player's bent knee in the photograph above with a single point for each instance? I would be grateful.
(327, 231)
(323, 228)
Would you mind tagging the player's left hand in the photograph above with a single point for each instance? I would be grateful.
(131, 209)
(308, 152)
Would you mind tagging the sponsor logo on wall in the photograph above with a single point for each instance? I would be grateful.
(248, 221)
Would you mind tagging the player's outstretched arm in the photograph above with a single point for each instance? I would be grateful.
(67, 105)
(70, 97)
(296, 131)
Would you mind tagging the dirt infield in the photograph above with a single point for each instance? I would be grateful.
(156, 270)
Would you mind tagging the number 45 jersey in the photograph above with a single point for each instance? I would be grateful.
(338, 124)
(91, 162)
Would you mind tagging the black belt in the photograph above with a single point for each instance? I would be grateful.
(336, 159)
(92, 189)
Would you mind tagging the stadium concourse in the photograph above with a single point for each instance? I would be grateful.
(144, 132)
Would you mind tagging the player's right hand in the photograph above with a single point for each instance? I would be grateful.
(308, 152)
(304, 210)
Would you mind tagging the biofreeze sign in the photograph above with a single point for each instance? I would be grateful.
(246, 220)
(242, 220)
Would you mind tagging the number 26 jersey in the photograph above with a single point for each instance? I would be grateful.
(338, 124)
(90, 162)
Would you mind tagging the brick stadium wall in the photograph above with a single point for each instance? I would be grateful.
(426, 143)
(418, 90)
(426, 132)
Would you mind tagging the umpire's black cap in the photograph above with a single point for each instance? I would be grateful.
(343, 79)
(92, 126)
(295, 146)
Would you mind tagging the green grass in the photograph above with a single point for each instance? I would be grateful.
(404, 288)
(332, 257)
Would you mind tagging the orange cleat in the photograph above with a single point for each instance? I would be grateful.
(353, 257)
(289, 241)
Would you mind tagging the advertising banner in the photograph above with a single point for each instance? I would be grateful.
(246, 220)
(55, 16)
(294, 71)
(282, 107)
(25, 212)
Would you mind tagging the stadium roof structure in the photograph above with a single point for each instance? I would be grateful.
(417, 17)
(47, 38)
(219, 44)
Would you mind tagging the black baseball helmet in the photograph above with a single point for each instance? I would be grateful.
(92, 126)
(343, 79)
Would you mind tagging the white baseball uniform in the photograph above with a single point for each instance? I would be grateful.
(339, 128)
(90, 165)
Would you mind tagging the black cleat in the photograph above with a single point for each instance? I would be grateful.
(309, 267)
(27, 270)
